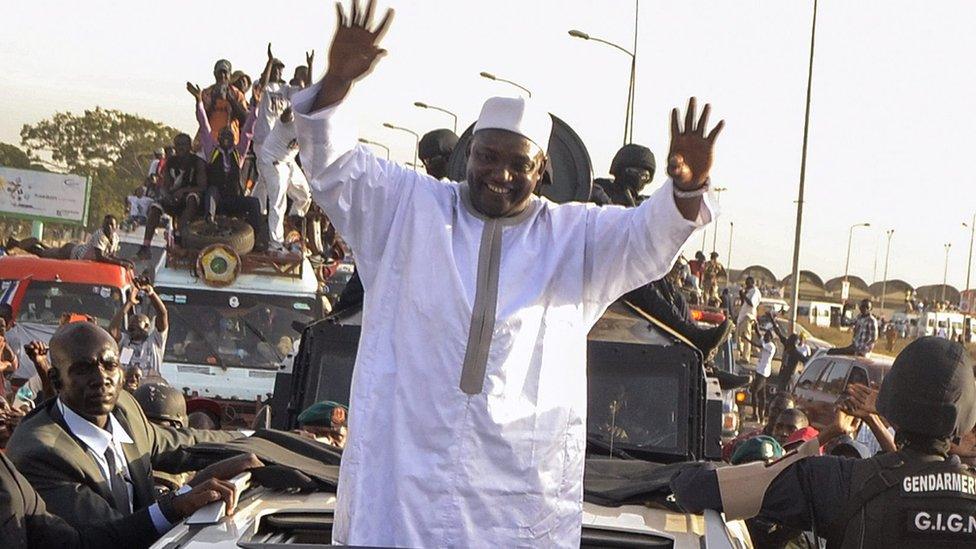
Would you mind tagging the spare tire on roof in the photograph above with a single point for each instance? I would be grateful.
(569, 162)
(231, 232)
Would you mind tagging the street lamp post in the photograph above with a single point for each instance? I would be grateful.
(423, 105)
(375, 144)
(411, 132)
(803, 176)
(718, 201)
(884, 282)
(969, 263)
(945, 274)
(629, 116)
(850, 238)
(491, 76)
(728, 258)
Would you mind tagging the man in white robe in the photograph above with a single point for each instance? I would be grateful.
(467, 422)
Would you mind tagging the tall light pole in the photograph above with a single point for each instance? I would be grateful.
(718, 201)
(884, 282)
(803, 177)
(411, 132)
(423, 105)
(629, 116)
(969, 263)
(850, 239)
(728, 258)
(945, 275)
(491, 76)
(375, 144)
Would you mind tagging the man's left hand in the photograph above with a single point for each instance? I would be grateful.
(690, 155)
(227, 469)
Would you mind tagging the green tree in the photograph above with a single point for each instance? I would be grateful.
(12, 157)
(111, 147)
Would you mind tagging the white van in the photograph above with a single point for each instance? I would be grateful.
(228, 342)
(940, 323)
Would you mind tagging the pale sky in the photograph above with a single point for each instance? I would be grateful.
(891, 128)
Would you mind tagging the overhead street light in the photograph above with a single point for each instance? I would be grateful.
(411, 132)
(629, 115)
(850, 238)
(423, 105)
(375, 144)
(491, 76)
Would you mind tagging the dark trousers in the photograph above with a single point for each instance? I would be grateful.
(245, 207)
(758, 390)
(673, 312)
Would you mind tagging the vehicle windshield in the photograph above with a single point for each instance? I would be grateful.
(639, 404)
(44, 301)
(233, 329)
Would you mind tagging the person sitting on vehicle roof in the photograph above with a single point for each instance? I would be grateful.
(225, 158)
(102, 246)
(90, 451)
(140, 345)
(664, 302)
(865, 333)
(184, 183)
(632, 169)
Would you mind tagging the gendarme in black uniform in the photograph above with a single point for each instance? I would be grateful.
(916, 497)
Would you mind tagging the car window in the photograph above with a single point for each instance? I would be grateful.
(835, 379)
(858, 375)
(811, 373)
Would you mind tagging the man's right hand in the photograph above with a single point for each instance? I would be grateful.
(227, 468)
(354, 51)
(36, 351)
(205, 493)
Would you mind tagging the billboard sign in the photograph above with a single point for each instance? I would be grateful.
(44, 196)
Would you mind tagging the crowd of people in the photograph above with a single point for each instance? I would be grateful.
(495, 366)
(91, 446)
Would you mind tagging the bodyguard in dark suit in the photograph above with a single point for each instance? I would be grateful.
(90, 452)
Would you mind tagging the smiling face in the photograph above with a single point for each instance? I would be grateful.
(87, 360)
(503, 170)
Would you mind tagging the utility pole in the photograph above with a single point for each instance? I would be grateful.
(803, 176)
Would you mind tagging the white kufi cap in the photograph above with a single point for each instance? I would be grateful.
(517, 115)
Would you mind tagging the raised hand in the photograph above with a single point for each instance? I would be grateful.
(309, 57)
(690, 156)
(270, 55)
(194, 90)
(354, 51)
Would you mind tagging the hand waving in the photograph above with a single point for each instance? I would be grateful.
(690, 157)
(194, 90)
(354, 51)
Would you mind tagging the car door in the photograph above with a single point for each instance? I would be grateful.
(828, 390)
(805, 387)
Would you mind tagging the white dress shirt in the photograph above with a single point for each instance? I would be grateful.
(98, 440)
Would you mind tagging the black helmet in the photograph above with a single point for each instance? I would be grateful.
(162, 403)
(930, 390)
(633, 156)
(437, 143)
